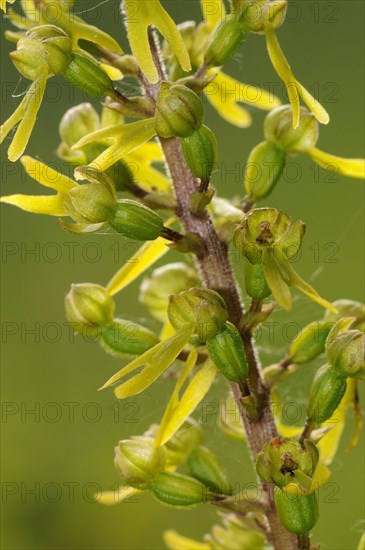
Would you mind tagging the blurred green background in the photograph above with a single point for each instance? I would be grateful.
(56, 458)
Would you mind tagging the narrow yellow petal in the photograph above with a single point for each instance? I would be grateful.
(144, 258)
(109, 498)
(53, 206)
(167, 331)
(112, 72)
(156, 356)
(293, 87)
(167, 27)
(194, 393)
(93, 34)
(230, 111)
(353, 168)
(213, 12)
(174, 541)
(12, 121)
(47, 176)
(164, 355)
(138, 23)
(32, 103)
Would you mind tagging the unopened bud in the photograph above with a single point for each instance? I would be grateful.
(345, 349)
(264, 168)
(203, 465)
(123, 338)
(138, 461)
(178, 491)
(328, 388)
(348, 308)
(202, 308)
(93, 202)
(77, 122)
(298, 513)
(89, 307)
(166, 280)
(255, 14)
(310, 343)
(227, 37)
(136, 221)
(179, 111)
(201, 152)
(84, 72)
(227, 352)
(278, 129)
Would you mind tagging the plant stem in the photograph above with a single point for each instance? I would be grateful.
(217, 274)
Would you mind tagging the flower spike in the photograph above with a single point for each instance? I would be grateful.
(152, 13)
(294, 88)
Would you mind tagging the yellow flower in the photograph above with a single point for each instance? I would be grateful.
(147, 14)
(56, 12)
(293, 87)
(43, 204)
(353, 168)
(225, 93)
(124, 139)
(25, 115)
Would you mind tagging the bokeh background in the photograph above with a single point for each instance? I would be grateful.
(55, 458)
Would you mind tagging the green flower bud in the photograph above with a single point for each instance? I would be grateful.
(328, 388)
(138, 461)
(178, 491)
(264, 168)
(203, 308)
(348, 308)
(179, 111)
(201, 152)
(223, 43)
(93, 202)
(203, 465)
(280, 459)
(255, 282)
(310, 343)
(84, 72)
(255, 14)
(235, 534)
(298, 514)
(122, 338)
(44, 48)
(166, 280)
(77, 122)
(136, 221)
(278, 129)
(345, 350)
(227, 352)
(89, 307)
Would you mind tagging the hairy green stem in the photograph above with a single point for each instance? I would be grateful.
(217, 274)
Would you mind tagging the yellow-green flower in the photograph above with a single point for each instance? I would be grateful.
(3, 4)
(89, 205)
(122, 140)
(57, 12)
(223, 92)
(149, 14)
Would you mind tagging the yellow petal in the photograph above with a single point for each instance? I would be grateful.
(47, 176)
(174, 541)
(152, 13)
(109, 498)
(294, 88)
(225, 93)
(32, 102)
(3, 4)
(213, 12)
(80, 30)
(112, 72)
(156, 364)
(353, 168)
(126, 138)
(140, 161)
(179, 409)
(145, 257)
(166, 331)
(156, 357)
(53, 206)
